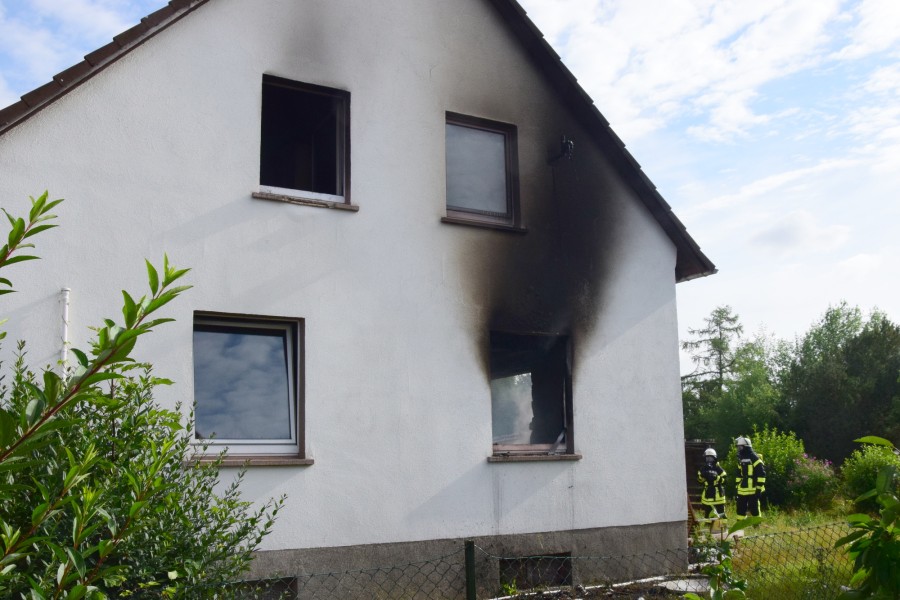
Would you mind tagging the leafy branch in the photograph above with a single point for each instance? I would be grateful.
(112, 346)
(874, 545)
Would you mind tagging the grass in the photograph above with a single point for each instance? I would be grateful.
(791, 555)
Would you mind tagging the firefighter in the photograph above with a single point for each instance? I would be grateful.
(712, 476)
(751, 478)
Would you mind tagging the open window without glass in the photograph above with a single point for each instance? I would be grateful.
(304, 140)
(248, 384)
(531, 400)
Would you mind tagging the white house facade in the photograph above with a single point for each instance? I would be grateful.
(434, 297)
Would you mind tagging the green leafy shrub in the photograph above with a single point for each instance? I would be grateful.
(860, 471)
(96, 500)
(812, 484)
(724, 584)
(874, 545)
(780, 452)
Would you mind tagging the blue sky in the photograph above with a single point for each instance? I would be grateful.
(772, 127)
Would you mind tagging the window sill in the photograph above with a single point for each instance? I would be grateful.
(240, 460)
(537, 457)
(484, 225)
(305, 201)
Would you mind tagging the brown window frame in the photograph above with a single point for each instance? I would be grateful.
(296, 328)
(512, 217)
(341, 100)
(512, 452)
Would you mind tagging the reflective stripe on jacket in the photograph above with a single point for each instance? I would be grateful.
(713, 479)
(752, 476)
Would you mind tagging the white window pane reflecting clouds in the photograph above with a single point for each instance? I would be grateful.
(243, 383)
(476, 169)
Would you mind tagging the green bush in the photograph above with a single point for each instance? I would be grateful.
(860, 471)
(96, 499)
(874, 544)
(780, 452)
(812, 484)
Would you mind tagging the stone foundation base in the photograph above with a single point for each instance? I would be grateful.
(436, 568)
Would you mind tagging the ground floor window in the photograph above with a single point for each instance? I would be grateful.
(248, 384)
(531, 400)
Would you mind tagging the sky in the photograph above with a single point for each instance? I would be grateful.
(772, 127)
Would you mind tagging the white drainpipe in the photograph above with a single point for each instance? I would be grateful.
(64, 354)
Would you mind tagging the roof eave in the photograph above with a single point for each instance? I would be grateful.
(93, 63)
(691, 262)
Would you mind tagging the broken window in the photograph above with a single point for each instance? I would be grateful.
(304, 139)
(530, 393)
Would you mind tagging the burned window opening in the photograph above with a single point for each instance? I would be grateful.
(304, 137)
(530, 393)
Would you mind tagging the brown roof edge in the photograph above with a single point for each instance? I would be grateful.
(94, 62)
(691, 262)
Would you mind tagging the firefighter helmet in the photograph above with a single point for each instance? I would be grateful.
(710, 452)
(743, 441)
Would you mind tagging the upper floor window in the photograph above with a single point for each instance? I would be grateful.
(305, 140)
(482, 171)
(248, 383)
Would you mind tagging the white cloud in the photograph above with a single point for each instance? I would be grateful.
(7, 96)
(96, 19)
(767, 186)
(800, 232)
(648, 63)
(862, 264)
(874, 120)
(39, 38)
(877, 28)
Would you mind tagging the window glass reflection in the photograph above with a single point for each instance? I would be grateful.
(241, 383)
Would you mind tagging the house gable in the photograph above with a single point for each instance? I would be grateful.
(691, 262)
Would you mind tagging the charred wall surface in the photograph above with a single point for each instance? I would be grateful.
(551, 279)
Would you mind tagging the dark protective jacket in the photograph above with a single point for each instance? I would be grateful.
(713, 479)
(751, 478)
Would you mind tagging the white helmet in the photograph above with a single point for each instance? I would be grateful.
(743, 441)
(710, 452)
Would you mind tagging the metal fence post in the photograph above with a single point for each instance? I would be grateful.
(470, 570)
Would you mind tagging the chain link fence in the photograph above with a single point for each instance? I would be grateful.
(797, 565)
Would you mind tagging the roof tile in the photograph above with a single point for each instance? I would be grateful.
(132, 35)
(41, 94)
(73, 73)
(102, 54)
(158, 17)
(12, 113)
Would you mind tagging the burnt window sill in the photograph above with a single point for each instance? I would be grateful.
(301, 201)
(484, 225)
(505, 457)
(250, 460)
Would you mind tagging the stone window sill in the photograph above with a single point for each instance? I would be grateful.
(255, 461)
(505, 457)
(484, 224)
(301, 201)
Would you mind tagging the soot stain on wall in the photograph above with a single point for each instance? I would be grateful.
(551, 279)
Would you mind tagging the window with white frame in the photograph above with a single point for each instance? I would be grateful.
(248, 383)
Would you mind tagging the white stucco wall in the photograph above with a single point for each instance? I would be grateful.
(160, 152)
